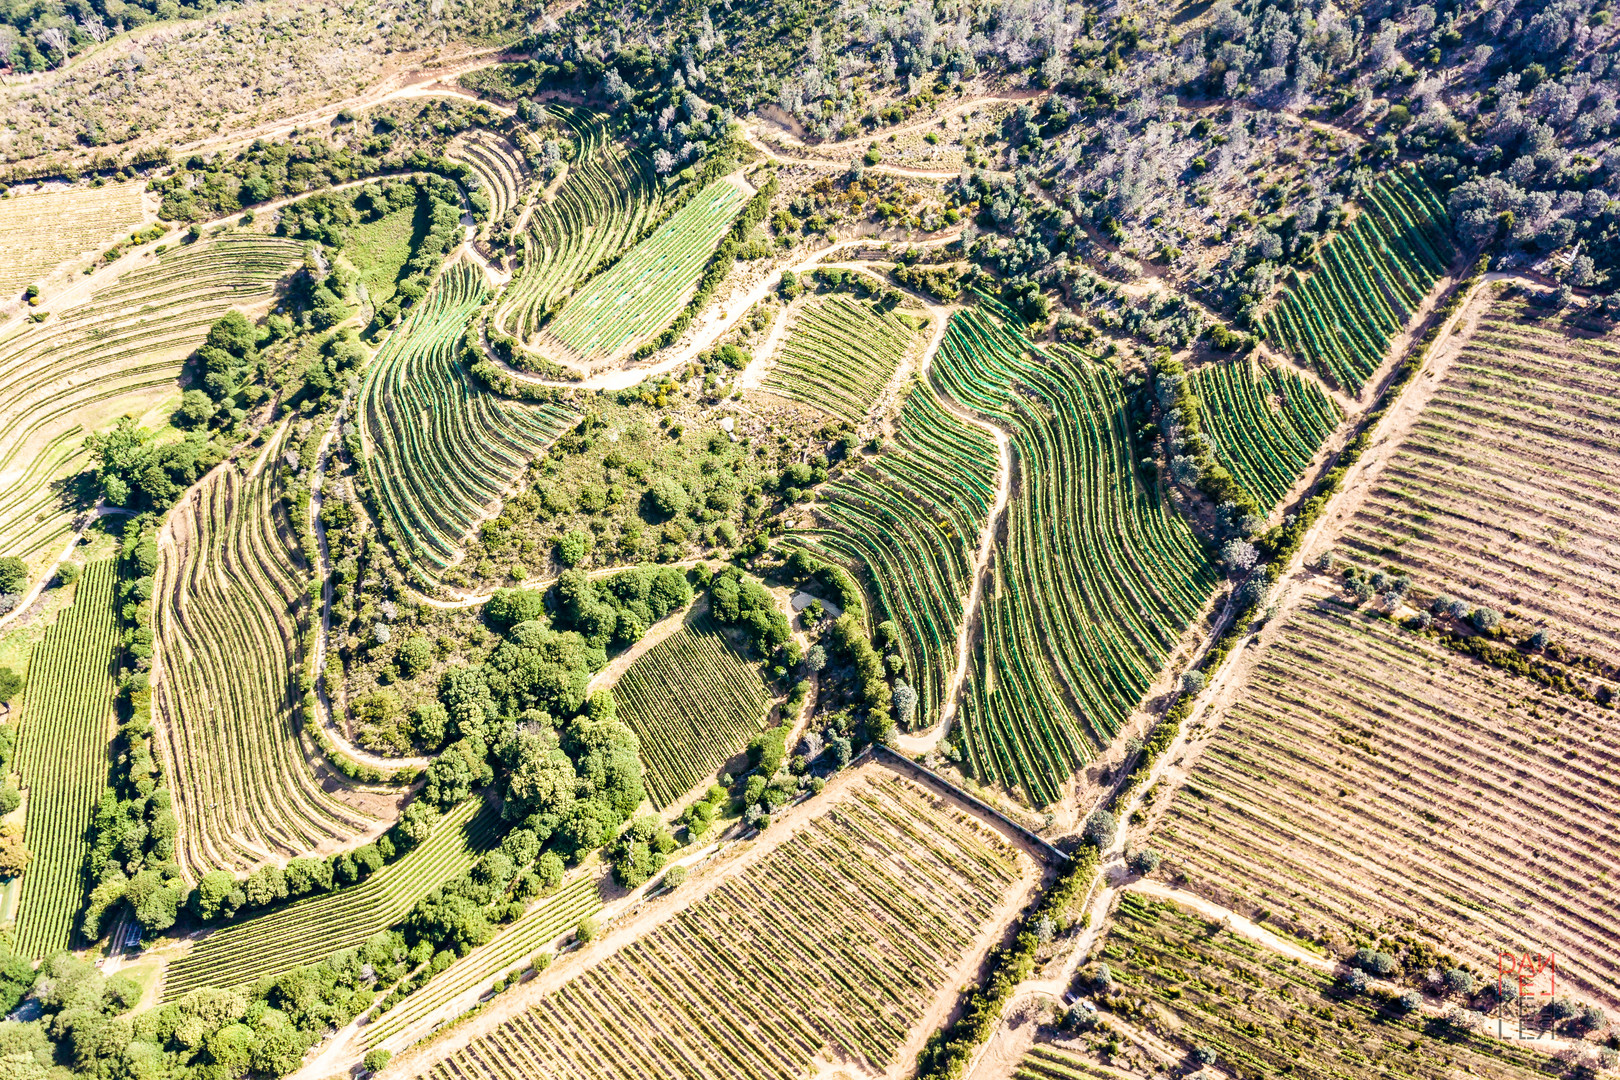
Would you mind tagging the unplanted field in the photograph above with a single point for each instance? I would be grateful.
(39, 232)
(1506, 492)
(834, 942)
(1368, 777)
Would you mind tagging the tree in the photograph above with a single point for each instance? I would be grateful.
(1100, 829)
(11, 685)
(1458, 981)
(508, 607)
(905, 704)
(1143, 861)
(376, 1060)
(815, 659)
(210, 899)
(1193, 682)
(13, 575)
(14, 854)
(1373, 962)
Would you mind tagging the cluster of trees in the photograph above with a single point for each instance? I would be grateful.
(222, 372)
(736, 600)
(618, 610)
(129, 469)
(400, 138)
(1193, 465)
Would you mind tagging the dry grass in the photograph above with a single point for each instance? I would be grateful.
(40, 232)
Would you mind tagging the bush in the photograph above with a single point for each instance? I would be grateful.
(1203, 1055)
(376, 1060)
(1100, 830)
(1143, 862)
(1373, 962)
(1408, 1002)
(1458, 981)
(586, 930)
(1356, 982)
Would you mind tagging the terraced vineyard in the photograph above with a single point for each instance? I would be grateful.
(839, 354)
(834, 942)
(1370, 278)
(1052, 1063)
(637, 296)
(62, 758)
(39, 232)
(1096, 579)
(512, 946)
(1366, 774)
(1263, 1013)
(693, 703)
(120, 352)
(609, 196)
(500, 169)
(230, 611)
(1504, 492)
(1267, 424)
(908, 523)
(311, 930)
(440, 447)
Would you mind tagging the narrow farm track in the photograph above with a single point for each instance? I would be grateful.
(100, 510)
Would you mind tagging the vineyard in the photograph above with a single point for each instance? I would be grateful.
(230, 610)
(512, 946)
(1267, 424)
(1369, 280)
(1503, 492)
(500, 169)
(640, 293)
(1367, 775)
(39, 232)
(442, 448)
(1263, 1013)
(909, 523)
(119, 352)
(832, 943)
(1095, 580)
(839, 354)
(609, 196)
(62, 757)
(693, 703)
(310, 930)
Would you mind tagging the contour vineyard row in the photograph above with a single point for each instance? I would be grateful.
(1369, 280)
(441, 448)
(231, 611)
(1095, 581)
(908, 523)
(62, 757)
(1267, 424)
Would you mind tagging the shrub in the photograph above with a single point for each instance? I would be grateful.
(1356, 982)
(1408, 1002)
(376, 1060)
(1458, 981)
(1100, 830)
(1373, 962)
(1203, 1055)
(1485, 619)
(586, 930)
(1193, 682)
(1143, 861)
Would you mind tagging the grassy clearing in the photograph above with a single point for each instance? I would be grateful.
(379, 250)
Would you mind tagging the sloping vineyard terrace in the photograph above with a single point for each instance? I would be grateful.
(839, 354)
(1505, 491)
(1096, 579)
(908, 522)
(120, 352)
(1267, 424)
(441, 448)
(1367, 777)
(693, 703)
(1369, 280)
(834, 941)
(231, 611)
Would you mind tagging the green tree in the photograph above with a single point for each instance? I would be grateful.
(13, 575)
